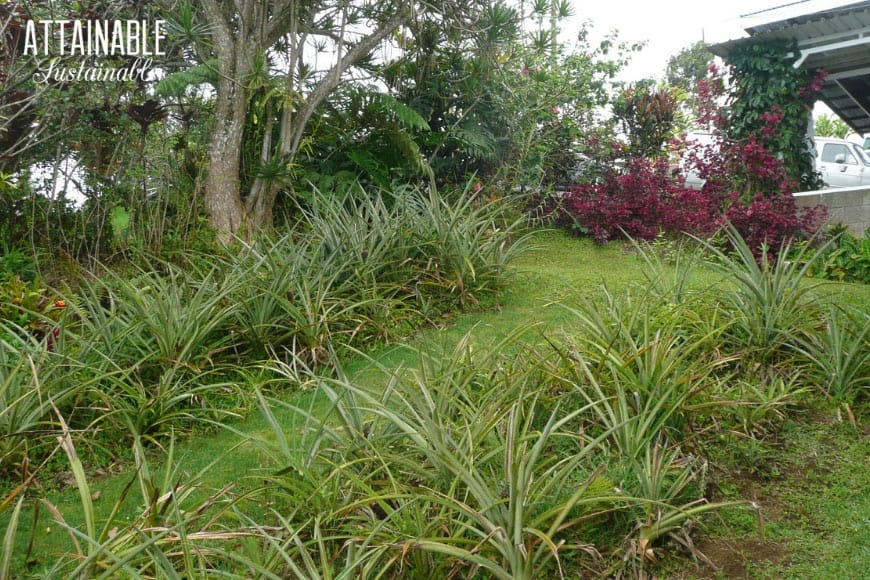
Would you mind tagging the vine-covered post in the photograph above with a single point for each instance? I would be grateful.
(769, 88)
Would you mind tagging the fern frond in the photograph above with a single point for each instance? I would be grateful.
(477, 141)
(405, 144)
(389, 106)
(175, 84)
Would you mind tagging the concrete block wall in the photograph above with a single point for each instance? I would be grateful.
(849, 206)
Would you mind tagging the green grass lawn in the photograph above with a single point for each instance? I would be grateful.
(817, 493)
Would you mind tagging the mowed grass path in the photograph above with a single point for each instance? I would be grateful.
(556, 270)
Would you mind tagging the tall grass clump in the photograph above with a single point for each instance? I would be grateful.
(32, 379)
(371, 238)
(461, 464)
(358, 270)
(153, 349)
(37, 376)
(450, 249)
(651, 362)
(154, 319)
(464, 244)
(344, 276)
(179, 528)
(669, 268)
(838, 356)
(767, 297)
(287, 300)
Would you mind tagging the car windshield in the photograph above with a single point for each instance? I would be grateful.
(863, 155)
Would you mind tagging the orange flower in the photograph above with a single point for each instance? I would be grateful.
(59, 304)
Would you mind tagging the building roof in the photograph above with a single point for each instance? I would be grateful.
(836, 40)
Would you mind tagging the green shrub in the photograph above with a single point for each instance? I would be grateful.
(463, 245)
(846, 260)
(14, 262)
(638, 360)
(29, 307)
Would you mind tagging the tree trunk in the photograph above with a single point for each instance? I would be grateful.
(260, 201)
(222, 196)
(294, 120)
(240, 29)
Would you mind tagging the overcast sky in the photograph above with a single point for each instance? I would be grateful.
(670, 25)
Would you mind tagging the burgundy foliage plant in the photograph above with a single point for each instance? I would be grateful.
(744, 183)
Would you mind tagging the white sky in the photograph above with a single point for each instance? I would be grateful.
(671, 25)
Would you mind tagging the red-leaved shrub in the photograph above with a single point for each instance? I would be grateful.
(642, 199)
(772, 222)
(744, 184)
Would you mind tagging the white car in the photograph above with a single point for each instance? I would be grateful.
(697, 140)
(842, 163)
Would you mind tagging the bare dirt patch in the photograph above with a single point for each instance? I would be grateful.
(735, 558)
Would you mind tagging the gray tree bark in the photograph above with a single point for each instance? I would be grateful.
(241, 29)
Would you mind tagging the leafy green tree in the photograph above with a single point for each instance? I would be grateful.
(361, 134)
(553, 107)
(510, 102)
(80, 137)
(686, 69)
(451, 78)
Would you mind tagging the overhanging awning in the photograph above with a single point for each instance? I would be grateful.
(836, 40)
